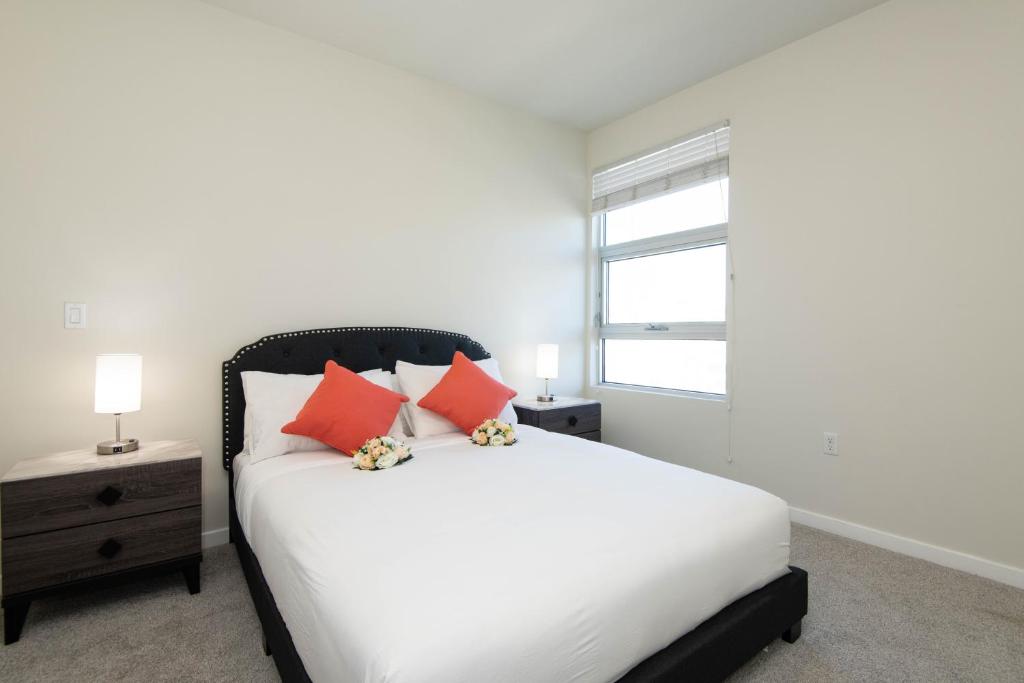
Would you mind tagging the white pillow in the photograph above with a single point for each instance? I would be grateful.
(417, 381)
(404, 427)
(272, 400)
(383, 378)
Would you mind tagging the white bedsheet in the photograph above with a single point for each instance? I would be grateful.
(557, 559)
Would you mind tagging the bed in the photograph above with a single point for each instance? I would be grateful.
(473, 563)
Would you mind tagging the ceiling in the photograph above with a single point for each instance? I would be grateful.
(579, 62)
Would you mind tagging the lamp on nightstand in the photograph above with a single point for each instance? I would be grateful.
(547, 368)
(118, 390)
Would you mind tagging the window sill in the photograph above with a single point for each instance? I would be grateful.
(680, 393)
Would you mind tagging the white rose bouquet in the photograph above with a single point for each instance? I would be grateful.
(380, 453)
(493, 433)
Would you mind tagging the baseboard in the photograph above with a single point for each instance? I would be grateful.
(215, 537)
(1003, 573)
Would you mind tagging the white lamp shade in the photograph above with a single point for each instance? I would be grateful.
(547, 361)
(118, 383)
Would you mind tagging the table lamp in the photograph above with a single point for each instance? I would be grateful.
(118, 390)
(547, 368)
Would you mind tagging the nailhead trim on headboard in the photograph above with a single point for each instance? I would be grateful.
(388, 341)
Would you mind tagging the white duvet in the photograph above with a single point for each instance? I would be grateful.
(556, 559)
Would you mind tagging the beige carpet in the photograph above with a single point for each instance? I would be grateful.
(874, 616)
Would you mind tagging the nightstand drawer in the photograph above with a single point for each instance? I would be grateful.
(59, 557)
(31, 506)
(571, 420)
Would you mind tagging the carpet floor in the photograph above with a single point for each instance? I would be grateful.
(874, 616)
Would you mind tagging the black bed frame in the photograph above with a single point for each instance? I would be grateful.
(710, 652)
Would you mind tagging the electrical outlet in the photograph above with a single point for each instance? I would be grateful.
(831, 444)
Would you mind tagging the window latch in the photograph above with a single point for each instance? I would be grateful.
(651, 327)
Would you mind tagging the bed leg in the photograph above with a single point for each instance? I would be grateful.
(792, 634)
(266, 646)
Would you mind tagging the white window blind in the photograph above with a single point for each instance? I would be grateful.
(696, 159)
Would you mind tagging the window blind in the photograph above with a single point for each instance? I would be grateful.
(698, 158)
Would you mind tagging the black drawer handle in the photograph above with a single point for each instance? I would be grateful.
(573, 420)
(110, 548)
(109, 495)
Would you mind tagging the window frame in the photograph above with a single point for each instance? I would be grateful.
(696, 238)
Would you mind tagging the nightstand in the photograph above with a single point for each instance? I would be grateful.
(78, 518)
(565, 415)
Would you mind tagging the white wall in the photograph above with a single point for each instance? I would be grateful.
(877, 231)
(201, 180)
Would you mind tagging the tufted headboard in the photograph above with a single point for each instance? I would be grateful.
(356, 348)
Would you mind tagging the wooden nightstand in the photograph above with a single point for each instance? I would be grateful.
(565, 415)
(78, 518)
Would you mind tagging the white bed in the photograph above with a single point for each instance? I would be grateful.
(556, 559)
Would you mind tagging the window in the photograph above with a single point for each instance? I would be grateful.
(662, 223)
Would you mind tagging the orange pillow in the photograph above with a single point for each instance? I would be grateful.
(345, 410)
(467, 395)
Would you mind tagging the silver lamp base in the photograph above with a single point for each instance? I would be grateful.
(547, 396)
(118, 445)
(115, 447)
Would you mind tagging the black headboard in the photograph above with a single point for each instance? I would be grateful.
(356, 348)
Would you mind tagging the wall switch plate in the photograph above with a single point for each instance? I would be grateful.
(74, 316)
(831, 446)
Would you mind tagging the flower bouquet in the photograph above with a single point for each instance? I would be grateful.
(380, 453)
(493, 433)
